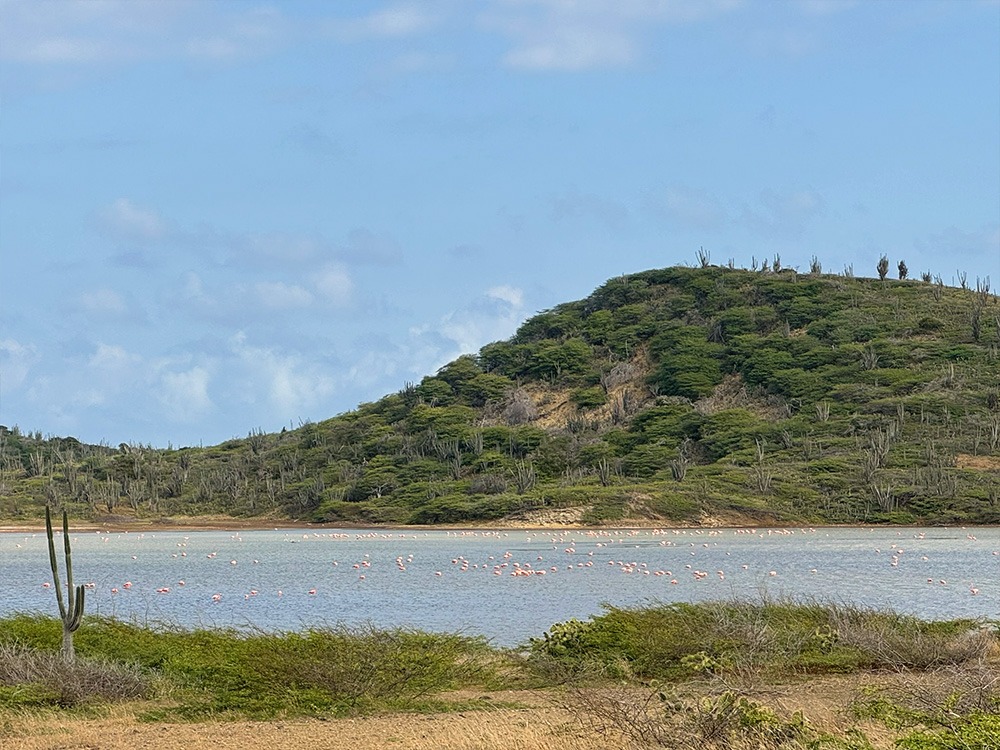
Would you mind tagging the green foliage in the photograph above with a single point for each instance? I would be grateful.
(729, 431)
(674, 641)
(689, 364)
(257, 675)
(589, 398)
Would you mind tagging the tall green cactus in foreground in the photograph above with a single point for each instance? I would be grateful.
(73, 613)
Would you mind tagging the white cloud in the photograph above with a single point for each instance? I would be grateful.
(184, 395)
(334, 284)
(825, 7)
(103, 302)
(128, 221)
(277, 295)
(571, 48)
(492, 316)
(116, 31)
(16, 361)
(244, 35)
(572, 35)
(112, 361)
(400, 20)
(287, 383)
(509, 294)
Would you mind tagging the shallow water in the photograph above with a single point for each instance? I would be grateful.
(475, 582)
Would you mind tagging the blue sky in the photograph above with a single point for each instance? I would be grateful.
(217, 217)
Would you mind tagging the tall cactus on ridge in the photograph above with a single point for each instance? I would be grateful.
(72, 614)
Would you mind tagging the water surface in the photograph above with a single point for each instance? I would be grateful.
(504, 585)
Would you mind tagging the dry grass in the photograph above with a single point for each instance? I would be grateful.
(542, 726)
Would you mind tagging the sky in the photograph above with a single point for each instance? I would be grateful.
(220, 217)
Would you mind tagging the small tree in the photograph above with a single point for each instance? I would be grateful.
(883, 267)
(903, 270)
(71, 611)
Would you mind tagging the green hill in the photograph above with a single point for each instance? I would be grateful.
(681, 395)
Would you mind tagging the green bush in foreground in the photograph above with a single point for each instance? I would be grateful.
(744, 638)
(259, 675)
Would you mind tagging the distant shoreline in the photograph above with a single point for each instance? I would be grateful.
(230, 524)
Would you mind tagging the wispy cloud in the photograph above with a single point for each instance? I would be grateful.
(569, 48)
(784, 214)
(399, 20)
(285, 383)
(82, 32)
(825, 7)
(277, 295)
(688, 208)
(334, 285)
(575, 205)
(16, 361)
(184, 395)
(564, 35)
(103, 302)
(953, 240)
(364, 246)
(491, 316)
(123, 219)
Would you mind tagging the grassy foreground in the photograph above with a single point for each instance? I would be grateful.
(679, 675)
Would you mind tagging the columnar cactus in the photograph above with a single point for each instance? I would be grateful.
(71, 610)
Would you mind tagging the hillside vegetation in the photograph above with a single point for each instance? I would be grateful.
(681, 395)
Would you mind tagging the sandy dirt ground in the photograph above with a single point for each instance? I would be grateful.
(540, 721)
(538, 725)
(472, 731)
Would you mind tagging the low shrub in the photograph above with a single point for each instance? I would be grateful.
(955, 708)
(744, 641)
(34, 677)
(891, 640)
(661, 718)
(259, 675)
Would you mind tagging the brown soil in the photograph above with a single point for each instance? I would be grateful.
(987, 463)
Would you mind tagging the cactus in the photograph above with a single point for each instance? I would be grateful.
(73, 613)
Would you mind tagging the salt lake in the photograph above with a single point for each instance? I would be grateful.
(506, 585)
